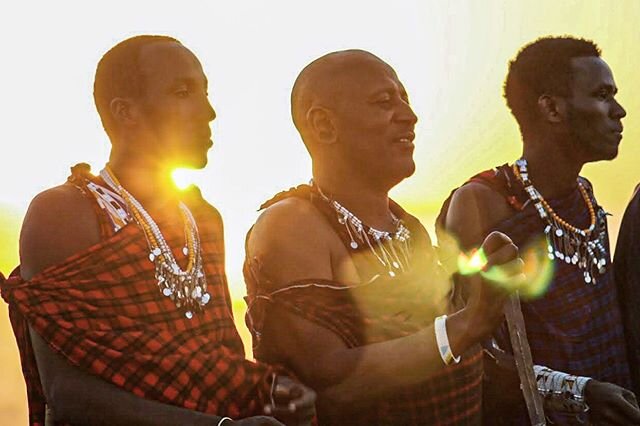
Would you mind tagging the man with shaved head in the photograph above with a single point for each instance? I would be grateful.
(344, 287)
(120, 306)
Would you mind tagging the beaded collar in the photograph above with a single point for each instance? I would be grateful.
(584, 248)
(392, 250)
(186, 288)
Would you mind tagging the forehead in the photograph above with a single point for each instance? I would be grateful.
(590, 72)
(167, 62)
(369, 74)
(359, 79)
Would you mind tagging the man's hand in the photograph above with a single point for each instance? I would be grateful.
(610, 404)
(486, 297)
(294, 402)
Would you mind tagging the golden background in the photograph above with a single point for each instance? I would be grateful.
(452, 57)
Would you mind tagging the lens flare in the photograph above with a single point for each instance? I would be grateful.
(183, 178)
(538, 268)
(532, 284)
(472, 263)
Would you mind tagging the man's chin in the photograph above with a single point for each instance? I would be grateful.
(192, 163)
(607, 155)
(401, 175)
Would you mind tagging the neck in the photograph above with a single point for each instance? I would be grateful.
(552, 170)
(149, 182)
(368, 203)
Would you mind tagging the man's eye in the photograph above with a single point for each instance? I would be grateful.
(603, 94)
(183, 93)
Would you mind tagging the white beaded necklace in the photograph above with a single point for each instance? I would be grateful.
(381, 243)
(582, 247)
(186, 288)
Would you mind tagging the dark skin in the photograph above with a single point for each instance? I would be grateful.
(372, 122)
(167, 127)
(570, 132)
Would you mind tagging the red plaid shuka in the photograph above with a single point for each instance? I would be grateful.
(102, 310)
(377, 310)
(574, 327)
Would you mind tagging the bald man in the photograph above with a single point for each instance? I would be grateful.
(344, 287)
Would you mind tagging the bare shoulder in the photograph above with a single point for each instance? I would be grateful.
(59, 222)
(193, 198)
(291, 240)
(212, 215)
(473, 210)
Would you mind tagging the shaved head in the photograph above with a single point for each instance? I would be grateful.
(354, 117)
(324, 80)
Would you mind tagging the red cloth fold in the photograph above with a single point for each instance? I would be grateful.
(102, 310)
(377, 309)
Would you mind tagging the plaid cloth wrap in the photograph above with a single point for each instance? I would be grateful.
(627, 273)
(102, 310)
(379, 309)
(575, 327)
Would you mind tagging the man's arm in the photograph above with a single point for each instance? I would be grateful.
(474, 210)
(80, 398)
(59, 223)
(293, 242)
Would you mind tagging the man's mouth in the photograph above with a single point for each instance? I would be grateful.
(406, 138)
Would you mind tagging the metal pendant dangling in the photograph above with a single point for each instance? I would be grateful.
(186, 288)
(583, 248)
(382, 244)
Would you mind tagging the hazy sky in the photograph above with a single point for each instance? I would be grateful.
(451, 55)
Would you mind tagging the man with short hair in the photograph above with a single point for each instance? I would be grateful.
(562, 94)
(344, 287)
(120, 305)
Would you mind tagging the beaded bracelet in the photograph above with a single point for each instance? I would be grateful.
(442, 340)
(561, 391)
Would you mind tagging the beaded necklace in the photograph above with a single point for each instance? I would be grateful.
(381, 243)
(582, 247)
(186, 288)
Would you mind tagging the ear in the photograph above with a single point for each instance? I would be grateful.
(321, 124)
(124, 111)
(553, 109)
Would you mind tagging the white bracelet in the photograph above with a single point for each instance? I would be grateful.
(442, 340)
(562, 392)
(223, 419)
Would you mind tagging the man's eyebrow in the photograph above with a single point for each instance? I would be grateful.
(190, 81)
(390, 90)
(609, 87)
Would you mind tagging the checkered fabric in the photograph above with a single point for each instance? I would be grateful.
(102, 310)
(378, 310)
(575, 327)
(627, 273)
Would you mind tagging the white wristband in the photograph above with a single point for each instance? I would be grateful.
(223, 419)
(442, 340)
